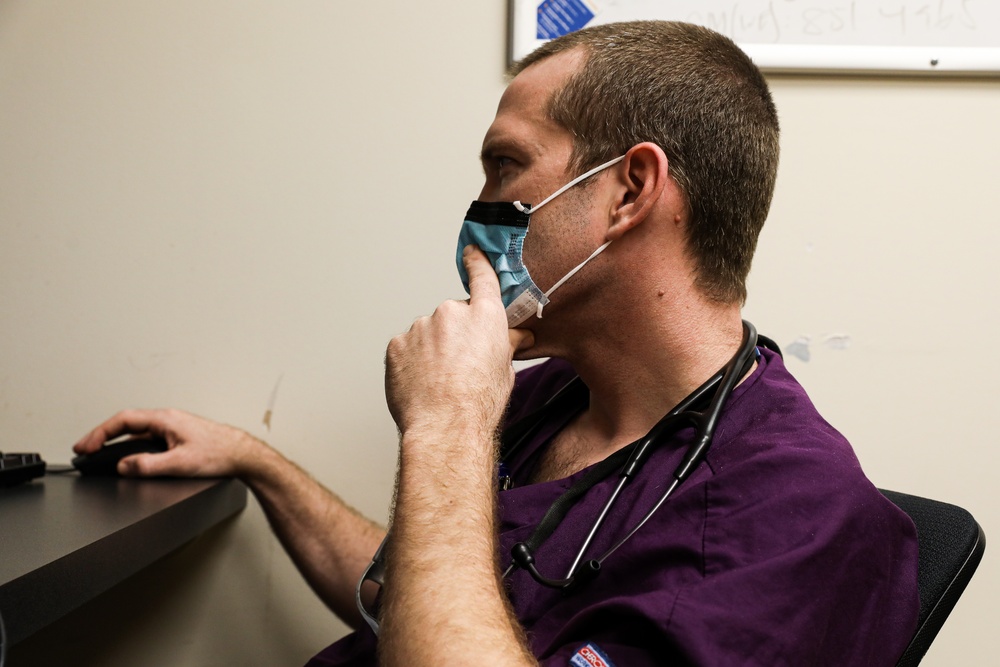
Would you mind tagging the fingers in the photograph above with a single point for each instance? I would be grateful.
(139, 465)
(132, 422)
(520, 339)
(149, 465)
(197, 447)
(483, 281)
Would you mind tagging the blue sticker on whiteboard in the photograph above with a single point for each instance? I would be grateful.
(561, 17)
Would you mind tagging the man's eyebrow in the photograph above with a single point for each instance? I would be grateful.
(489, 150)
(495, 146)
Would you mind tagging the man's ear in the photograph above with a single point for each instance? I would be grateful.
(643, 179)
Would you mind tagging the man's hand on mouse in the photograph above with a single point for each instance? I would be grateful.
(197, 447)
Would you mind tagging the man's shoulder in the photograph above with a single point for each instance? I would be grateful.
(775, 449)
(772, 410)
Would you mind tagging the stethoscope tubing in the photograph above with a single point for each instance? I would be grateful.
(597, 524)
(723, 382)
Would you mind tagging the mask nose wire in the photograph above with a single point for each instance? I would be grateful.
(524, 209)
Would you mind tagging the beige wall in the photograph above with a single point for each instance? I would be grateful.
(200, 198)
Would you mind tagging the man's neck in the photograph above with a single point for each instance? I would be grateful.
(637, 373)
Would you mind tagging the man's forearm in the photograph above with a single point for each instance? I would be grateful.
(329, 541)
(448, 380)
(443, 600)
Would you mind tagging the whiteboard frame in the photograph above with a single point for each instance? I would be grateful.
(809, 58)
(875, 59)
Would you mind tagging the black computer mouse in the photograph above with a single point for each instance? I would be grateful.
(105, 460)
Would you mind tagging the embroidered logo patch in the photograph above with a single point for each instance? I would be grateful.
(589, 655)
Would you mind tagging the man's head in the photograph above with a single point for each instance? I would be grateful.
(695, 94)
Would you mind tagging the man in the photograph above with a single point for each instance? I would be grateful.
(776, 550)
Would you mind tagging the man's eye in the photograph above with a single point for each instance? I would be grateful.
(503, 162)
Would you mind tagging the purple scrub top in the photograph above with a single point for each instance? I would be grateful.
(776, 551)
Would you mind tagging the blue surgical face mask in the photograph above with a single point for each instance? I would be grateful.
(499, 228)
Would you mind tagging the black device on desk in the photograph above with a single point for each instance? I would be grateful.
(23, 467)
(18, 468)
(105, 460)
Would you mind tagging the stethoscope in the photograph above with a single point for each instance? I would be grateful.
(690, 412)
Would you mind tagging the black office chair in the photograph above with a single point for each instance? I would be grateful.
(950, 545)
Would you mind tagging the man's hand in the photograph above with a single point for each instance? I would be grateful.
(329, 541)
(455, 365)
(447, 382)
(197, 447)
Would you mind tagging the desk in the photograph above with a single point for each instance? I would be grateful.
(65, 539)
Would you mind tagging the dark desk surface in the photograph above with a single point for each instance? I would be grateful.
(65, 539)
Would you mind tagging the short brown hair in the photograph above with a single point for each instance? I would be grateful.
(695, 94)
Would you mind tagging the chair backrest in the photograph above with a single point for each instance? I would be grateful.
(950, 545)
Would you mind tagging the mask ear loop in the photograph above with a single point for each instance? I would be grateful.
(529, 210)
(538, 312)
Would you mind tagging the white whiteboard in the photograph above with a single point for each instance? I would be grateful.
(917, 36)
